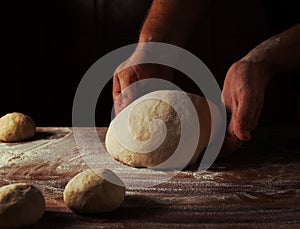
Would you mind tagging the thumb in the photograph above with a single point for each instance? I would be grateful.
(126, 89)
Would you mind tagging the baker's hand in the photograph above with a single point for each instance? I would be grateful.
(127, 76)
(243, 96)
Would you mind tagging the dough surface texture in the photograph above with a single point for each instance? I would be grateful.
(21, 204)
(16, 127)
(92, 193)
(139, 117)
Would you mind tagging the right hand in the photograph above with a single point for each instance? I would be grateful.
(243, 96)
(122, 79)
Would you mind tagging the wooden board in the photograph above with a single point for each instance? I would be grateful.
(258, 186)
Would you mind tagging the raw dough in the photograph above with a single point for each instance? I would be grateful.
(90, 193)
(20, 205)
(16, 127)
(141, 114)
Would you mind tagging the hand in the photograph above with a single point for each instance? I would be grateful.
(122, 79)
(243, 96)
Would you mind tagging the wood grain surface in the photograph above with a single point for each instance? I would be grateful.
(259, 186)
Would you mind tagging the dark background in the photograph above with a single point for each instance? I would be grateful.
(47, 46)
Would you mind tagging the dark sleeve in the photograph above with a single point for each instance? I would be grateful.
(281, 15)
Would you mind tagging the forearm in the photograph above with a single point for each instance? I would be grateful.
(281, 53)
(172, 21)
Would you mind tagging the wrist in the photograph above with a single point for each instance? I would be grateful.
(143, 68)
(262, 65)
(266, 56)
(156, 53)
(259, 71)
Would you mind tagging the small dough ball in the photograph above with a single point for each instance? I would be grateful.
(20, 205)
(139, 117)
(90, 193)
(16, 127)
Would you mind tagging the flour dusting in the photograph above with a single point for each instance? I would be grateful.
(16, 153)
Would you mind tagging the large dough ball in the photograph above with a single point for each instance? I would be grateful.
(16, 127)
(20, 205)
(90, 193)
(139, 116)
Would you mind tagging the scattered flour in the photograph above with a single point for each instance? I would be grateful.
(205, 175)
(15, 153)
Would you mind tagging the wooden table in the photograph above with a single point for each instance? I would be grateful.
(258, 186)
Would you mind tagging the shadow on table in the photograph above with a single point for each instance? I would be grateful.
(135, 208)
(267, 147)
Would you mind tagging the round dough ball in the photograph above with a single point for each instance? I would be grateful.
(16, 127)
(139, 117)
(90, 193)
(20, 205)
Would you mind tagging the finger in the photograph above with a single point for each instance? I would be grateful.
(118, 104)
(122, 80)
(231, 106)
(230, 145)
(116, 90)
(127, 81)
(121, 101)
(116, 93)
(124, 91)
(231, 141)
(243, 118)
